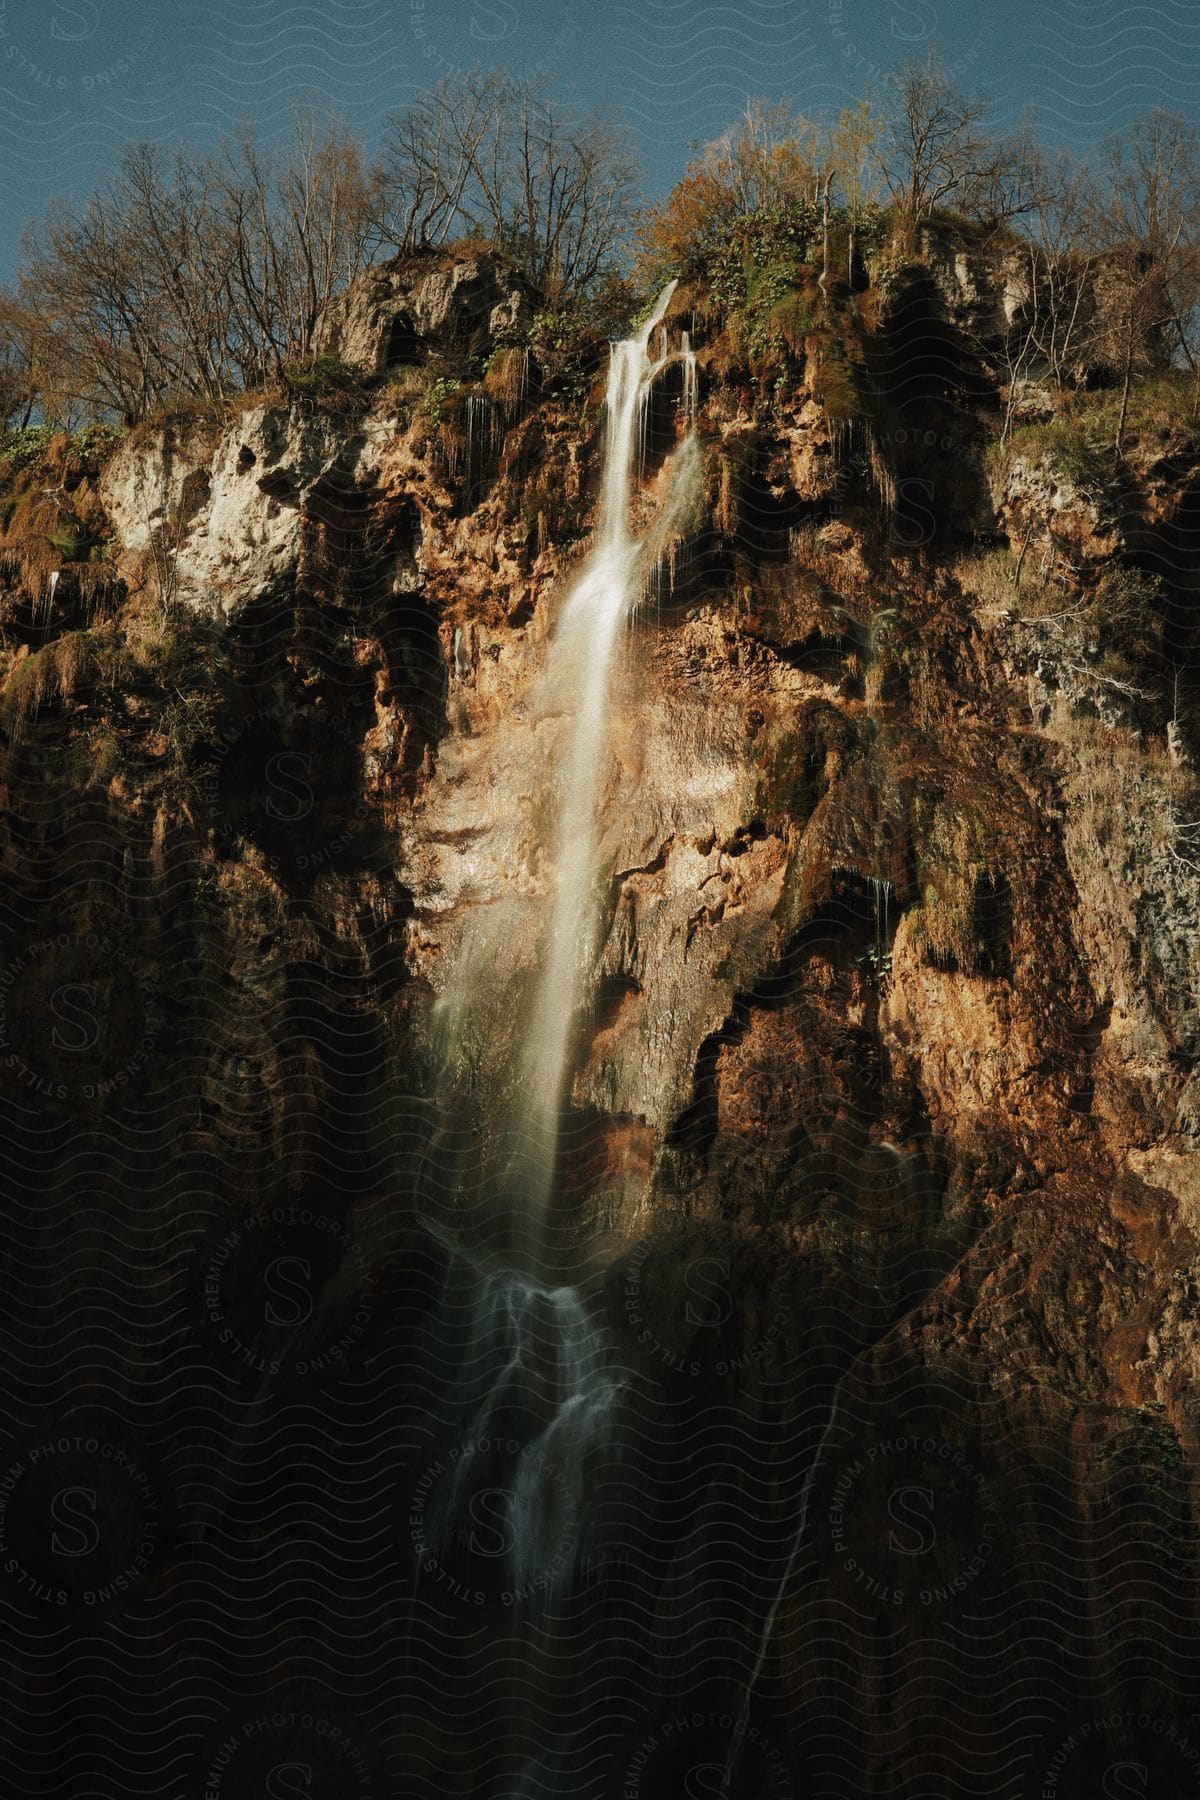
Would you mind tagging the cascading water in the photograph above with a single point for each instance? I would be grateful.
(532, 1367)
(483, 438)
(691, 377)
(526, 1389)
(588, 632)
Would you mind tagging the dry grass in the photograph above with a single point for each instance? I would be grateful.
(506, 379)
(727, 513)
(29, 566)
(989, 580)
(1162, 417)
(1122, 788)
(407, 383)
(70, 667)
(52, 673)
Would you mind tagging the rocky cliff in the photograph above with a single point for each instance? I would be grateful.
(884, 1118)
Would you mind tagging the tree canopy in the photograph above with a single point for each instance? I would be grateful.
(198, 277)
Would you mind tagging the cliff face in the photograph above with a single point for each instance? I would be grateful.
(885, 1112)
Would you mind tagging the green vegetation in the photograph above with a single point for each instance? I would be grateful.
(1161, 418)
(757, 281)
(327, 380)
(22, 446)
(442, 392)
(29, 447)
(961, 923)
(1078, 444)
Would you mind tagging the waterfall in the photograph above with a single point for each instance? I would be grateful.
(506, 1018)
(484, 437)
(529, 1542)
(691, 377)
(528, 1354)
(528, 1389)
(595, 609)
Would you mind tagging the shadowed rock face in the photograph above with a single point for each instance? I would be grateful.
(879, 1154)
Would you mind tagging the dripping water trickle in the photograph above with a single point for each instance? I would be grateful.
(691, 377)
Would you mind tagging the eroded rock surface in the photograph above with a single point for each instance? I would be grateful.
(886, 1106)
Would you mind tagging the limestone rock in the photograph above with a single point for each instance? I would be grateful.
(213, 514)
(396, 312)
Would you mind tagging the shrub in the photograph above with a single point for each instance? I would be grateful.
(1128, 612)
(24, 445)
(505, 377)
(60, 670)
(1078, 440)
(570, 338)
(962, 920)
(326, 379)
(73, 545)
(438, 397)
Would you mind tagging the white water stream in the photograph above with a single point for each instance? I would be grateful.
(588, 632)
(531, 1341)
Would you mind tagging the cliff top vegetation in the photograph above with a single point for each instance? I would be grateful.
(196, 279)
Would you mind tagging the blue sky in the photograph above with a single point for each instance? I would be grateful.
(80, 78)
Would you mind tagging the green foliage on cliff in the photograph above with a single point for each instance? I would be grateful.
(753, 263)
(1163, 417)
(759, 279)
(33, 447)
(327, 381)
(441, 394)
(22, 446)
(961, 922)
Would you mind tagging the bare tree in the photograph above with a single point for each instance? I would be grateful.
(934, 152)
(851, 159)
(1045, 274)
(429, 160)
(490, 156)
(294, 227)
(1143, 217)
(85, 278)
(771, 158)
(1061, 259)
(194, 279)
(1013, 179)
(22, 341)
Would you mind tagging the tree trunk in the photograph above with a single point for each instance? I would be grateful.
(1125, 395)
(1021, 558)
(825, 242)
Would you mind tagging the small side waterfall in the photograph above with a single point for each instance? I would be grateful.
(691, 377)
(484, 438)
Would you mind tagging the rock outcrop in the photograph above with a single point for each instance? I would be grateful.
(396, 312)
(886, 1111)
